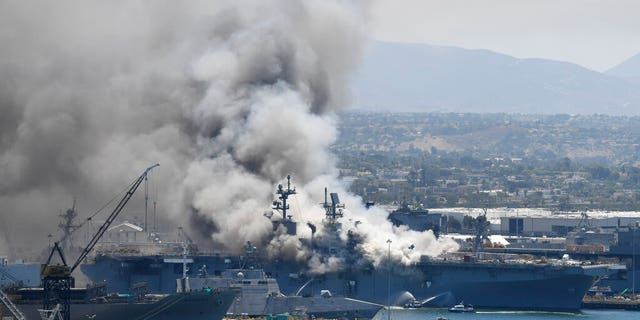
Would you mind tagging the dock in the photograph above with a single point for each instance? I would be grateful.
(617, 302)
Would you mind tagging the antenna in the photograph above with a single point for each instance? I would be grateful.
(333, 210)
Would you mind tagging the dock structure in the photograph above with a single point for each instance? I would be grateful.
(602, 302)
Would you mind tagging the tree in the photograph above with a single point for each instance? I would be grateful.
(599, 172)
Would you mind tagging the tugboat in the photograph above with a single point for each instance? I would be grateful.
(413, 304)
(461, 307)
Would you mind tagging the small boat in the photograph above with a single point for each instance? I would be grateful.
(413, 304)
(461, 307)
(441, 318)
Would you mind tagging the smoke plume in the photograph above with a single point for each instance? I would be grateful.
(371, 224)
(228, 96)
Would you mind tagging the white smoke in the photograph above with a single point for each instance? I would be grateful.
(229, 97)
(407, 246)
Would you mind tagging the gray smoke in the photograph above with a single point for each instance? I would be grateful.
(229, 96)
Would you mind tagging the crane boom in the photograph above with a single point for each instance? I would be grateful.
(112, 217)
(57, 280)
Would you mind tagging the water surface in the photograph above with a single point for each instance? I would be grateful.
(433, 314)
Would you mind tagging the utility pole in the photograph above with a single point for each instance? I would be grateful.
(155, 221)
(633, 262)
(146, 200)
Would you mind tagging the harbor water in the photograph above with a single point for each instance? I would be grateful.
(434, 314)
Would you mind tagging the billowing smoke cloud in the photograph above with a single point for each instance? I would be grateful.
(407, 246)
(229, 96)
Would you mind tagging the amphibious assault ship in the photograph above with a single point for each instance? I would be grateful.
(486, 281)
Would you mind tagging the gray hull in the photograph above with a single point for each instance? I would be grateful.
(192, 306)
(259, 295)
(553, 294)
(527, 287)
(320, 307)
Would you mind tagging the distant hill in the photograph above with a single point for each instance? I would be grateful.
(628, 69)
(419, 77)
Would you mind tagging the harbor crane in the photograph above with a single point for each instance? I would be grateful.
(57, 280)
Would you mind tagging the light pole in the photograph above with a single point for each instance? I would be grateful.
(389, 283)
(633, 261)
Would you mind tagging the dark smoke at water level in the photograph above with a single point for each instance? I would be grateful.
(229, 96)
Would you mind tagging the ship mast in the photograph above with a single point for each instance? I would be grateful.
(482, 231)
(333, 210)
(250, 259)
(67, 226)
(284, 195)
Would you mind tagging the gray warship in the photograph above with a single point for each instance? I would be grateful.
(260, 294)
(484, 280)
(201, 305)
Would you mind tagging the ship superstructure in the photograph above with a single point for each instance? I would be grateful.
(260, 294)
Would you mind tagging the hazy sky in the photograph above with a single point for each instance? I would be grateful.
(597, 34)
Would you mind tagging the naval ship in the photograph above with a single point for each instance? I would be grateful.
(486, 281)
(19, 273)
(93, 302)
(260, 295)
(195, 305)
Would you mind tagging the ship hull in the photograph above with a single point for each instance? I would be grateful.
(518, 287)
(438, 284)
(321, 307)
(553, 294)
(192, 306)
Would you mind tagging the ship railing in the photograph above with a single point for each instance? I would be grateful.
(7, 275)
(139, 248)
(502, 258)
(53, 314)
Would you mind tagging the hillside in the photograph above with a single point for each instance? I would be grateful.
(419, 77)
(628, 69)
